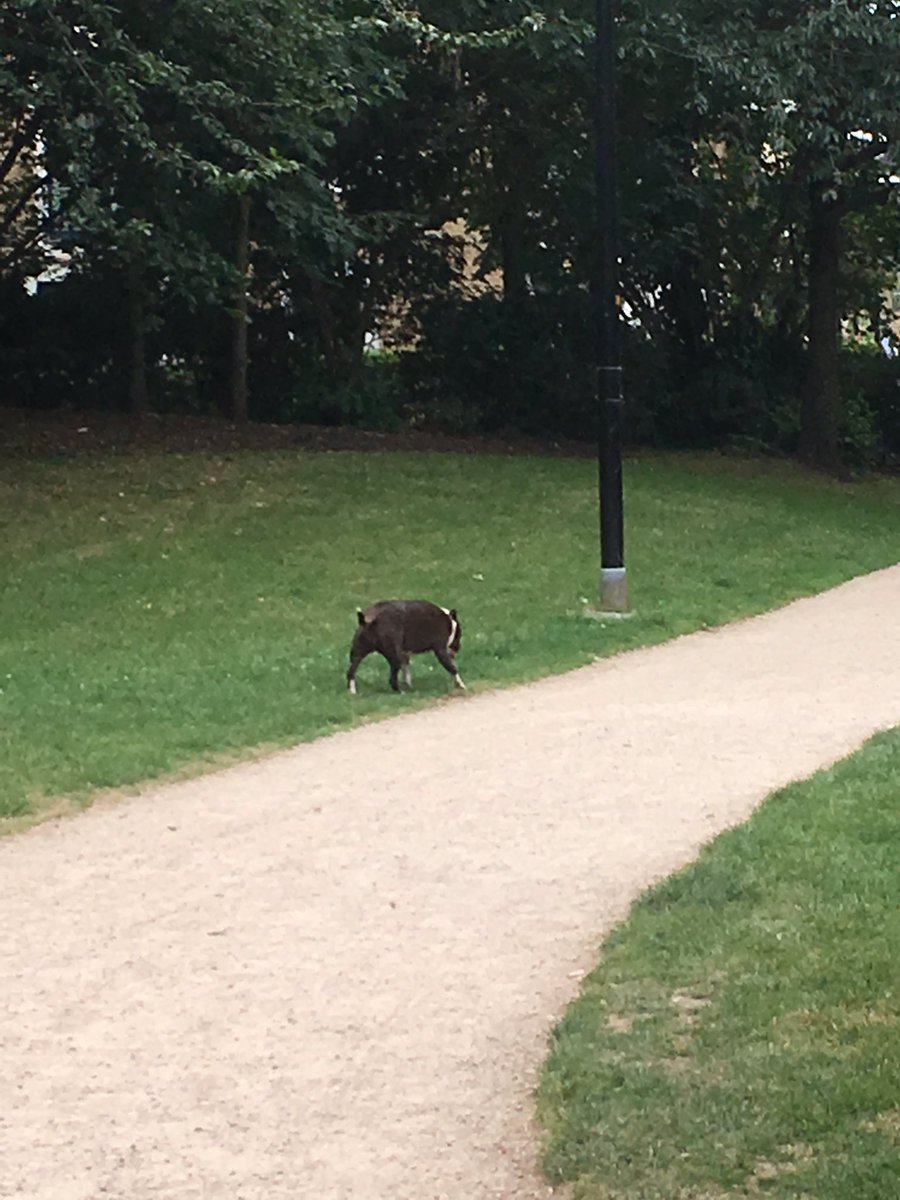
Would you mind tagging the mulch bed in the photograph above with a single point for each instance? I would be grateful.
(68, 432)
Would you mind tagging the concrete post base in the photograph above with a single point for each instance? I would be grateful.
(613, 590)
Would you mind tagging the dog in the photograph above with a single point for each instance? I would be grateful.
(397, 629)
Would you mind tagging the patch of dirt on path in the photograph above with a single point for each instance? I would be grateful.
(331, 974)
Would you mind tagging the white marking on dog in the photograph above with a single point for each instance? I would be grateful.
(352, 686)
(454, 625)
(407, 675)
(457, 679)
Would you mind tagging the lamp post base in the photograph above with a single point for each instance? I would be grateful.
(614, 590)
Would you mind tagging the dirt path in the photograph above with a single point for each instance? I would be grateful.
(331, 974)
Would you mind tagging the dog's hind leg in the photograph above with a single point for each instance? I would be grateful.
(392, 650)
(448, 662)
(395, 664)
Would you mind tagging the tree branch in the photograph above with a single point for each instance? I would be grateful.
(12, 257)
(18, 142)
(18, 208)
(866, 152)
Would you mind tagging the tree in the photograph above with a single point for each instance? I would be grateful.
(257, 185)
(134, 132)
(809, 92)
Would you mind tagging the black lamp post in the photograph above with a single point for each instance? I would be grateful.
(613, 580)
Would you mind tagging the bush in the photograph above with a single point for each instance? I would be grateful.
(61, 344)
(373, 397)
(735, 395)
(481, 366)
(484, 366)
(871, 426)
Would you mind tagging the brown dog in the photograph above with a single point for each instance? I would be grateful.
(397, 629)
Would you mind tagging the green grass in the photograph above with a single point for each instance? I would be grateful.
(741, 1037)
(158, 613)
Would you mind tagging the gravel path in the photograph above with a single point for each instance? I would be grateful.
(331, 974)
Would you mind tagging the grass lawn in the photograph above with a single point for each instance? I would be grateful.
(159, 613)
(741, 1037)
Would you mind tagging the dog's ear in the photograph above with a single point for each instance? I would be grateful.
(360, 616)
(453, 614)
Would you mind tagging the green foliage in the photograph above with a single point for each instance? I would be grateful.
(62, 345)
(161, 612)
(372, 398)
(872, 417)
(742, 1033)
(485, 366)
(133, 123)
(361, 129)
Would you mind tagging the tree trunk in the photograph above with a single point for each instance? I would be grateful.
(325, 315)
(821, 399)
(690, 313)
(512, 250)
(345, 313)
(238, 389)
(510, 216)
(137, 329)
